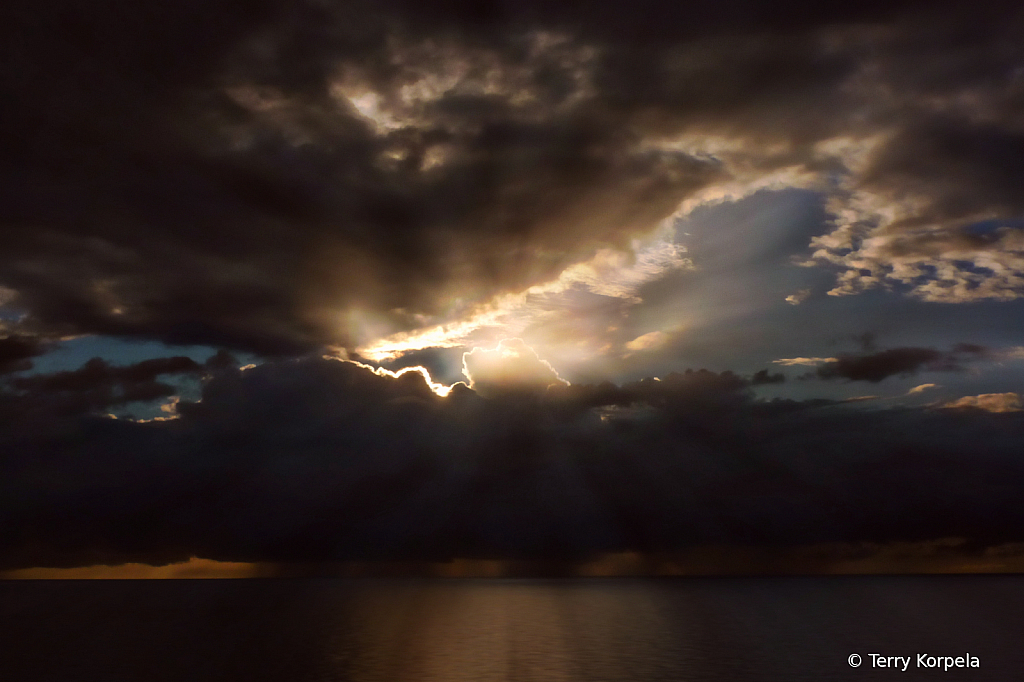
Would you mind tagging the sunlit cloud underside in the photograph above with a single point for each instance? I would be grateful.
(611, 276)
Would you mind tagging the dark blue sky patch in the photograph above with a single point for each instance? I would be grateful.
(990, 228)
(73, 353)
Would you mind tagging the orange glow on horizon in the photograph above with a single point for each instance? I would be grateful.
(941, 556)
(194, 568)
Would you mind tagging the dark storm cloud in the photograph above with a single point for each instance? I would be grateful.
(875, 367)
(762, 377)
(969, 169)
(16, 352)
(195, 182)
(96, 372)
(324, 460)
(98, 385)
(878, 366)
(208, 173)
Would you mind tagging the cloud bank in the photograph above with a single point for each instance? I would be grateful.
(325, 460)
(248, 177)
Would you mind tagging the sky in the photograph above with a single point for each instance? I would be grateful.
(317, 281)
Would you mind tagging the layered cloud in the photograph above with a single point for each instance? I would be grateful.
(796, 362)
(875, 367)
(324, 459)
(573, 308)
(990, 402)
(16, 353)
(622, 189)
(98, 386)
(297, 174)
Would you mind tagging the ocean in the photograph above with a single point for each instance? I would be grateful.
(593, 630)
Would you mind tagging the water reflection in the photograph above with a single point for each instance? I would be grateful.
(504, 630)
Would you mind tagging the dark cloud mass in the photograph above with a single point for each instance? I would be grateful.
(97, 385)
(618, 189)
(875, 367)
(16, 353)
(763, 376)
(208, 173)
(878, 366)
(325, 460)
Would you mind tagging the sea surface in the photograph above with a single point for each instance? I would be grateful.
(606, 630)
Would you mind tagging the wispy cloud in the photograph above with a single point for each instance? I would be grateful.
(990, 402)
(648, 341)
(808, 362)
(799, 297)
(611, 274)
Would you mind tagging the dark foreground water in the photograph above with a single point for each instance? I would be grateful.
(776, 629)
